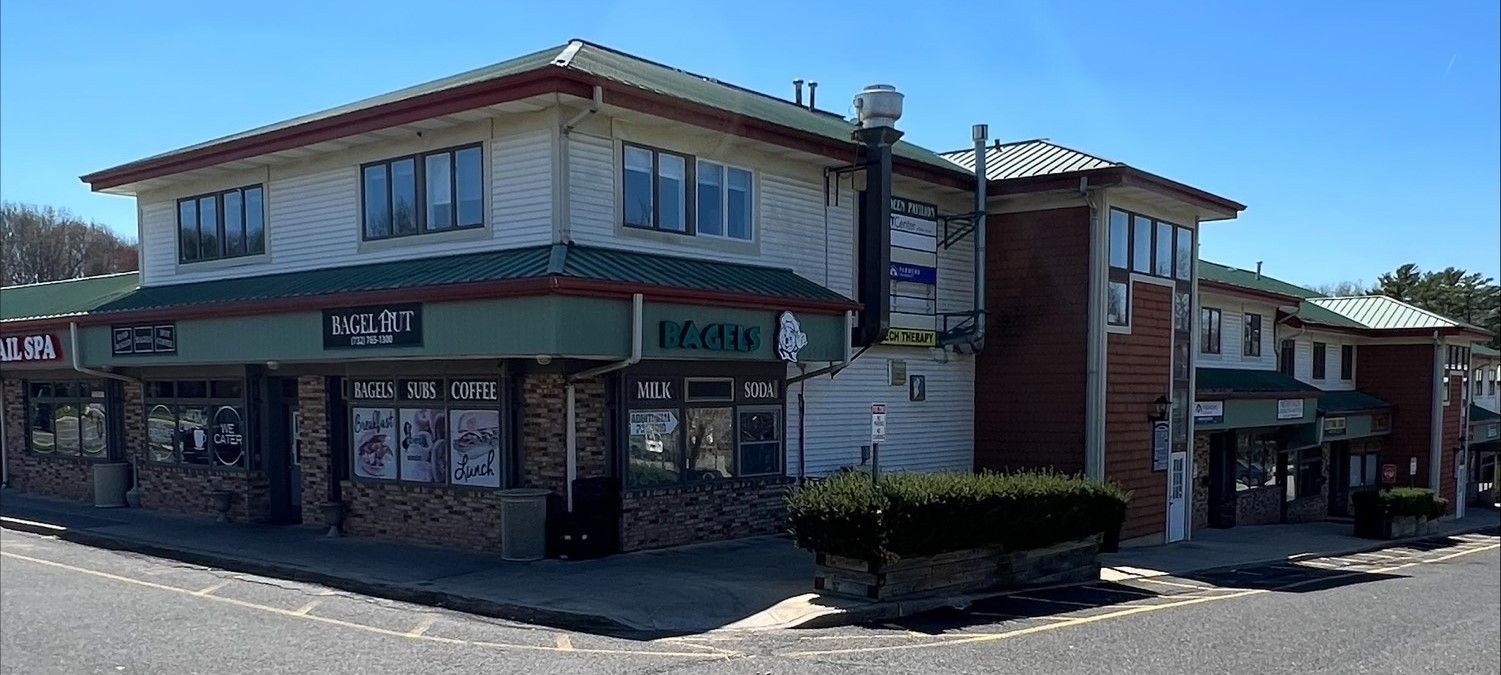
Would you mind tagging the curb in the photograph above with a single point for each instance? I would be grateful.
(576, 621)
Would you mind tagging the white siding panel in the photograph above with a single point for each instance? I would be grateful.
(158, 242)
(932, 435)
(1303, 363)
(521, 197)
(591, 183)
(956, 277)
(1233, 331)
(793, 233)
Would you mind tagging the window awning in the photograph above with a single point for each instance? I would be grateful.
(1237, 382)
(1343, 402)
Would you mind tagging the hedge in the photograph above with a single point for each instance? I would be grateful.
(917, 514)
(1398, 502)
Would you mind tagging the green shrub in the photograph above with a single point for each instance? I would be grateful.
(916, 514)
(1398, 502)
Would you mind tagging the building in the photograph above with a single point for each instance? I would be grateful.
(658, 296)
(1090, 284)
(1484, 426)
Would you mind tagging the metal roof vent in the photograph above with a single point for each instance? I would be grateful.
(878, 105)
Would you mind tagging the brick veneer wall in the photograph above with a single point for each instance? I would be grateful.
(1260, 506)
(182, 489)
(1452, 437)
(1201, 481)
(1313, 507)
(1030, 380)
(63, 477)
(1403, 376)
(312, 434)
(712, 511)
(1138, 367)
(545, 434)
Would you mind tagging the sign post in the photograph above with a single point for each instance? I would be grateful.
(877, 437)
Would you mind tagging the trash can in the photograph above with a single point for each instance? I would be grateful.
(523, 524)
(111, 482)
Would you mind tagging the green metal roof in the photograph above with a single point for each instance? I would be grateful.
(1241, 381)
(1349, 401)
(1479, 414)
(592, 59)
(572, 261)
(1485, 350)
(1249, 279)
(58, 299)
(1380, 312)
(1313, 313)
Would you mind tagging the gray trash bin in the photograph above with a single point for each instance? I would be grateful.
(523, 524)
(111, 481)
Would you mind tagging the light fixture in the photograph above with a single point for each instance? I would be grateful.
(543, 359)
(1159, 409)
(272, 365)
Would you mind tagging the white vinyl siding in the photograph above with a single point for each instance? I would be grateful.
(932, 435)
(313, 218)
(1303, 362)
(1232, 334)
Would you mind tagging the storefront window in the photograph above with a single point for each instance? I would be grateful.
(1305, 473)
(674, 436)
(427, 430)
(69, 419)
(1255, 460)
(197, 423)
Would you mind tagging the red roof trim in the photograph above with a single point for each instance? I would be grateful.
(1221, 288)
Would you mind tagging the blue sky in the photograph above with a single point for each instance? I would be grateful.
(1360, 140)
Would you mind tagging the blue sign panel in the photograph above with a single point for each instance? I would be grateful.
(918, 274)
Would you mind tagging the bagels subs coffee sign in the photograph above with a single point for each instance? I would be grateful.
(373, 326)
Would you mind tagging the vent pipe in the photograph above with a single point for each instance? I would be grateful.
(979, 133)
(1258, 270)
(812, 95)
(877, 108)
(797, 91)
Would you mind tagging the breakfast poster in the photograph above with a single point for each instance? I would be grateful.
(474, 447)
(374, 437)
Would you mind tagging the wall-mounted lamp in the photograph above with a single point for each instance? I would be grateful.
(1159, 409)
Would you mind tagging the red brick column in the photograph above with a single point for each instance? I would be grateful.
(312, 407)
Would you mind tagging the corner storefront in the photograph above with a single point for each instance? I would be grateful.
(1353, 430)
(1258, 458)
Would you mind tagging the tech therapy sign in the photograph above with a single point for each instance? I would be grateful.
(30, 348)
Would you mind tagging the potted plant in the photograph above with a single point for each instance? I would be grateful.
(1394, 513)
(220, 500)
(912, 535)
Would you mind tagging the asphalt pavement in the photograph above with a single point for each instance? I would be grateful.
(1431, 606)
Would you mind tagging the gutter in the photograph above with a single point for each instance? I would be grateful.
(73, 347)
(571, 435)
(1095, 344)
(1436, 418)
(981, 134)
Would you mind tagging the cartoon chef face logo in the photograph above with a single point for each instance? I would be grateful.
(790, 337)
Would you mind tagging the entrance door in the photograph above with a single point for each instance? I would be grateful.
(1461, 481)
(294, 445)
(1222, 495)
(283, 473)
(1339, 479)
(1177, 505)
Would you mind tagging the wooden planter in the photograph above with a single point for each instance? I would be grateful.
(958, 572)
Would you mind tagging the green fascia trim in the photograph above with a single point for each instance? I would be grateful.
(1479, 414)
(1334, 403)
(535, 262)
(1249, 279)
(1211, 382)
(1484, 350)
(1250, 413)
(63, 298)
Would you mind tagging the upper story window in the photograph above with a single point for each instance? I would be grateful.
(228, 224)
(1286, 357)
(436, 191)
(656, 195)
(1319, 369)
(1141, 245)
(1251, 344)
(1209, 330)
(1347, 362)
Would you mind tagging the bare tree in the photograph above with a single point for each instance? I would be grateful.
(41, 243)
(1344, 288)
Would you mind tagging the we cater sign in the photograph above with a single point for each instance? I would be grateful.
(29, 348)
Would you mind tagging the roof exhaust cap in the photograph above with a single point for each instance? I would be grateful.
(980, 133)
(878, 105)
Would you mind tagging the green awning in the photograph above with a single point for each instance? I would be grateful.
(57, 299)
(587, 263)
(1237, 381)
(1339, 402)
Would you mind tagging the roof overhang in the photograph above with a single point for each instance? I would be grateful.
(1243, 293)
(1210, 206)
(550, 79)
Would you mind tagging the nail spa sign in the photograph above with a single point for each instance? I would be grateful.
(22, 348)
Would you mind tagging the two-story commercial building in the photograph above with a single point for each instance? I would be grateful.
(643, 290)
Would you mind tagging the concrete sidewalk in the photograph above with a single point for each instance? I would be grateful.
(1250, 545)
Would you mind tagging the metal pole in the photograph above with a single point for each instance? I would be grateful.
(875, 463)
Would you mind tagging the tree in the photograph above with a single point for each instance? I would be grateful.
(41, 243)
(1344, 289)
(1467, 296)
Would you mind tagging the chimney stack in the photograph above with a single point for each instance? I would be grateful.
(1258, 270)
(812, 95)
(797, 88)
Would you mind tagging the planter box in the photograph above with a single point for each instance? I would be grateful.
(1394, 527)
(958, 572)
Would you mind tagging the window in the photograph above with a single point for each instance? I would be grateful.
(1287, 357)
(69, 419)
(723, 201)
(197, 422)
(228, 224)
(1117, 312)
(1141, 244)
(1185, 249)
(1305, 473)
(689, 430)
(1209, 330)
(1118, 294)
(656, 189)
(1251, 344)
(1319, 369)
(1162, 260)
(1182, 311)
(1492, 386)
(434, 192)
(1446, 390)
(444, 431)
(1120, 239)
(1255, 460)
(1346, 362)
(1362, 469)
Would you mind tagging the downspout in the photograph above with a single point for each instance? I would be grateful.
(4, 446)
(1436, 421)
(1094, 399)
(571, 434)
(1191, 430)
(980, 133)
(73, 350)
(564, 182)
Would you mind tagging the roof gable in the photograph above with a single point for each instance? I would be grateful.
(1380, 312)
(1025, 159)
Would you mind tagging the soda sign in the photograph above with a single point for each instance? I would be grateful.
(23, 348)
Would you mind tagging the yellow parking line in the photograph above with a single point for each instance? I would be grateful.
(422, 626)
(1127, 611)
(211, 589)
(303, 610)
(357, 626)
(563, 643)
